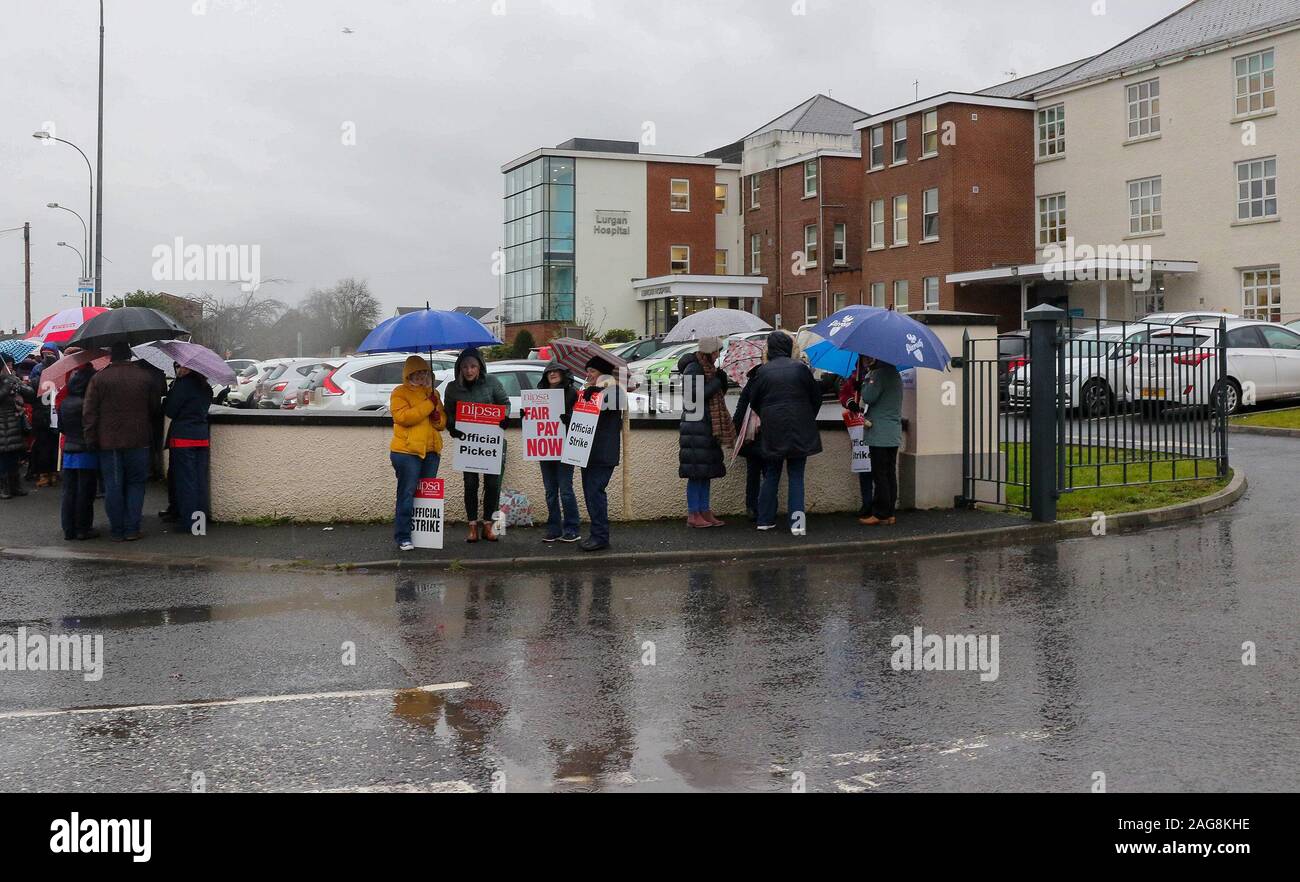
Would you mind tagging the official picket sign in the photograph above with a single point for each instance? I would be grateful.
(856, 423)
(582, 429)
(482, 447)
(542, 430)
(426, 523)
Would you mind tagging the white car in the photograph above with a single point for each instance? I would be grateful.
(1186, 318)
(1096, 369)
(365, 382)
(243, 394)
(1180, 365)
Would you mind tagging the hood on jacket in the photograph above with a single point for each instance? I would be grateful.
(414, 364)
(470, 352)
(79, 380)
(779, 345)
(553, 365)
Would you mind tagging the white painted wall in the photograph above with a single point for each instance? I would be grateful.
(1199, 144)
(730, 227)
(605, 265)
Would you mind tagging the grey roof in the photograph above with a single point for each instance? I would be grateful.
(1198, 24)
(1027, 84)
(820, 114)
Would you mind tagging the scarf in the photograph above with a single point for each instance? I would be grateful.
(723, 428)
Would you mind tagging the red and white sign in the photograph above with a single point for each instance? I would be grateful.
(426, 524)
(582, 431)
(481, 447)
(856, 423)
(542, 430)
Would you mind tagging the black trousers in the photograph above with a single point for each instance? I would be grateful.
(884, 481)
(491, 495)
(78, 511)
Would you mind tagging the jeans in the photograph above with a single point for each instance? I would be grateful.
(884, 470)
(410, 469)
(187, 477)
(126, 471)
(697, 495)
(78, 512)
(794, 468)
(753, 483)
(561, 503)
(594, 481)
(865, 484)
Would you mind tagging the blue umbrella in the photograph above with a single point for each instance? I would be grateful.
(427, 329)
(18, 349)
(884, 334)
(826, 357)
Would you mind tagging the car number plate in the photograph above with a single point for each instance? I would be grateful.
(1153, 393)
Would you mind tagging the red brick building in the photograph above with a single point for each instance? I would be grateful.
(947, 186)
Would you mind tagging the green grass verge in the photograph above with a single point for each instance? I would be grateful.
(1102, 482)
(1273, 419)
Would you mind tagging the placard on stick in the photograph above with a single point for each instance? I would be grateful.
(542, 429)
(582, 431)
(481, 448)
(426, 524)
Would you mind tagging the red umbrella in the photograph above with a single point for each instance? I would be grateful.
(574, 354)
(60, 327)
(741, 357)
(59, 372)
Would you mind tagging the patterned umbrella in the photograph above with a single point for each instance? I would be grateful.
(60, 327)
(198, 358)
(18, 349)
(740, 358)
(59, 372)
(574, 354)
(716, 322)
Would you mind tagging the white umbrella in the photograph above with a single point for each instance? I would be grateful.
(716, 322)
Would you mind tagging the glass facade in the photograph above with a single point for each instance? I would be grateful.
(539, 223)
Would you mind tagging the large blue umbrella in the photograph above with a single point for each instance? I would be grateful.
(425, 330)
(884, 334)
(18, 349)
(825, 356)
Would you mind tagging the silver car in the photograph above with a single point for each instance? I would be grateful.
(284, 381)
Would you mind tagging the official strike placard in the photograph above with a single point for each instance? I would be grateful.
(582, 429)
(856, 424)
(481, 447)
(426, 524)
(543, 431)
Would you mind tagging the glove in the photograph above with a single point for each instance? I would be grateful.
(590, 393)
(853, 406)
(456, 433)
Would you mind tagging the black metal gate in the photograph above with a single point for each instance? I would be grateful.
(1126, 403)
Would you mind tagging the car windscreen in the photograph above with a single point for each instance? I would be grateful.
(1181, 340)
(1012, 346)
(1090, 347)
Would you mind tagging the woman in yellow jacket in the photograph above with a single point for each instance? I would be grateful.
(418, 421)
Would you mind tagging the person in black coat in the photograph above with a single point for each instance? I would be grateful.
(14, 393)
(749, 449)
(786, 398)
(188, 443)
(80, 462)
(700, 455)
(557, 477)
(606, 446)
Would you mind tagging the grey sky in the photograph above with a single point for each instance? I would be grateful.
(226, 127)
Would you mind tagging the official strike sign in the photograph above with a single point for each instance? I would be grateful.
(426, 524)
(856, 424)
(483, 443)
(543, 431)
(582, 429)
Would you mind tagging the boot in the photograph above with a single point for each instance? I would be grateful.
(488, 533)
(473, 532)
(16, 484)
(4, 488)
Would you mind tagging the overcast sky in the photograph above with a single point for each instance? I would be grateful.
(227, 127)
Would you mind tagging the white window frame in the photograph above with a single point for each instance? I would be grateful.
(899, 124)
(877, 134)
(929, 133)
(1145, 214)
(878, 223)
(726, 261)
(840, 246)
(1244, 90)
(725, 197)
(1267, 188)
(878, 295)
(1051, 131)
(755, 253)
(1051, 219)
(672, 260)
(900, 200)
(1142, 104)
(1261, 279)
(810, 244)
(839, 301)
(927, 214)
(810, 164)
(900, 286)
(673, 195)
(810, 316)
(753, 190)
(927, 301)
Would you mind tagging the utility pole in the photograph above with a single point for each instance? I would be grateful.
(99, 171)
(27, 272)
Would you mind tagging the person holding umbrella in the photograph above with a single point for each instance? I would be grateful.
(117, 415)
(882, 394)
(557, 477)
(786, 398)
(851, 400)
(705, 430)
(188, 444)
(13, 394)
(606, 445)
(416, 449)
(472, 383)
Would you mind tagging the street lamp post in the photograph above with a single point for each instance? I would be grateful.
(80, 256)
(84, 229)
(46, 136)
(99, 158)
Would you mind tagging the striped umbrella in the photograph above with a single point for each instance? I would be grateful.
(60, 327)
(574, 354)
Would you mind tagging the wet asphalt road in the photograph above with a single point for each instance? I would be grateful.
(1117, 654)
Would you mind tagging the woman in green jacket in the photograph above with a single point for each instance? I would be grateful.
(473, 383)
(882, 395)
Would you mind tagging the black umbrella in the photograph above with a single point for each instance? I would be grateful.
(132, 325)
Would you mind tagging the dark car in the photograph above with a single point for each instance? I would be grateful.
(1013, 354)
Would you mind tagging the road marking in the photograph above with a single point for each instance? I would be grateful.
(227, 702)
(435, 787)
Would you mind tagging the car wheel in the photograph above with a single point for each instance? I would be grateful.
(1096, 398)
(1226, 397)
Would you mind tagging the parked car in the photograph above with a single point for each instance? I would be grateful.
(365, 382)
(1096, 369)
(1185, 318)
(284, 381)
(1178, 366)
(661, 366)
(239, 364)
(1013, 354)
(311, 386)
(540, 353)
(241, 393)
(1295, 325)
(638, 349)
(264, 370)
